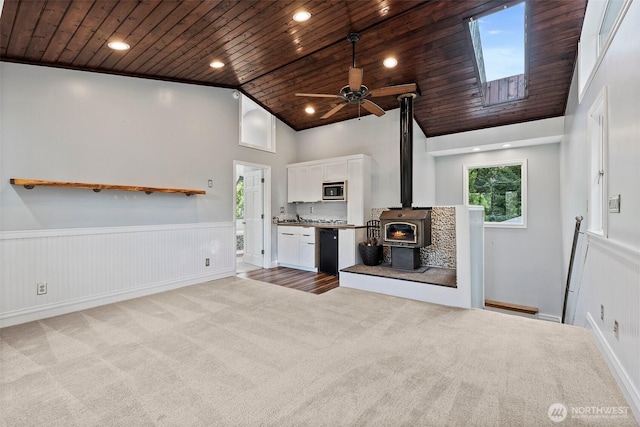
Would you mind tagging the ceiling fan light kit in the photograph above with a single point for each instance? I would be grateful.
(356, 93)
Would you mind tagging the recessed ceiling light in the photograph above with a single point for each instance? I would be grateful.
(216, 64)
(301, 16)
(506, 145)
(476, 149)
(118, 45)
(390, 62)
(310, 110)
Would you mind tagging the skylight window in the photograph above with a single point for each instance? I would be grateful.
(498, 40)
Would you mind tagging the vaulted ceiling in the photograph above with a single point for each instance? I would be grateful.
(270, 57)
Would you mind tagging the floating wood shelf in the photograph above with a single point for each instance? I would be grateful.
(31, 183)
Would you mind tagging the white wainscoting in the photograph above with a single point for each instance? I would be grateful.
(611, 278)
(93, 266)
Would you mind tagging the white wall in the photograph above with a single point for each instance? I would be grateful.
(87, 127)
(378, 137)
(65, 125)
(611, 276)
(522, 266)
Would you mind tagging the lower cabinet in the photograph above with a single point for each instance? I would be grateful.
(307, 247)
(288, 246)
(348, 240)
(297, 247)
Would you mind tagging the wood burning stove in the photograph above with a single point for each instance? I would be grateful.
(406, 229)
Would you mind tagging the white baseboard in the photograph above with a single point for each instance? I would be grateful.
(550, 318)
(45, 311)
(631, 393)
(298, 267)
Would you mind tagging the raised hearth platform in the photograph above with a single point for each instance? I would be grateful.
(459, 287)
(430, 275)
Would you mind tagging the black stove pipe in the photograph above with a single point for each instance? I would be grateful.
(406, 149)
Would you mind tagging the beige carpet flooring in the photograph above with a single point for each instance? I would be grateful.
(236, 352)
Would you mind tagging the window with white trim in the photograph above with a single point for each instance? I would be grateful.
(597, 133)
(501, 188)
(257, 126)
(601, 21)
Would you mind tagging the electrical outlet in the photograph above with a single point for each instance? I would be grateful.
(615, 329)
(311, 209)
(206, 262)
(601, 312)
(42, 288)
(281, 209)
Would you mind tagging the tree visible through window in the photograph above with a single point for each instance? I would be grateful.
(500, 189)
(240, 198)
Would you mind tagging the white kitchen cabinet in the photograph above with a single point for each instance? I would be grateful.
(314, 183)
(296, 184)
(288, 245)
(307, 247)
(335, 171)
(359, 190)
(304, 184)
(297, 247)
(348, 240)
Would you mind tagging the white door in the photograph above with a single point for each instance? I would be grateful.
(253, 216)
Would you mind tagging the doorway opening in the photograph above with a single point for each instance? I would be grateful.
(252, 203)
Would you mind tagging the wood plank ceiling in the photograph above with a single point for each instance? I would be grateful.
(270, 57)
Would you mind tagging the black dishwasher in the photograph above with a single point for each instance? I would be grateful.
(328, 251)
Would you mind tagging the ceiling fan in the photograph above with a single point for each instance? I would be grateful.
(356, 93)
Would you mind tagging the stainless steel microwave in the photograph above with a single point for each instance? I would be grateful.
(334, 191)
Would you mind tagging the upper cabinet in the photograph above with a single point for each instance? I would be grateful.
(335, 171)
(359, 191)
(304, 183)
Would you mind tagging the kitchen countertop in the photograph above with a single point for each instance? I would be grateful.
(320, 225)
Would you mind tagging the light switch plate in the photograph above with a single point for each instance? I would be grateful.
(614, 204)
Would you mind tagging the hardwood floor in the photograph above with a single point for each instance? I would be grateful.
(315, 283)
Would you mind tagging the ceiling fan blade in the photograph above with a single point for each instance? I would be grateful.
(318, 95)
(394, 90)
(333, 111)
(355, 78)
(372, 108)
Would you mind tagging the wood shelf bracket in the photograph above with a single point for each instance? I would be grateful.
(29, 184)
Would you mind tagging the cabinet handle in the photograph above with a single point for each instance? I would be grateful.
(287, 234)
(310, 243)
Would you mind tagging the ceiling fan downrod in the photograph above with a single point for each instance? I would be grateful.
(353, 38)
